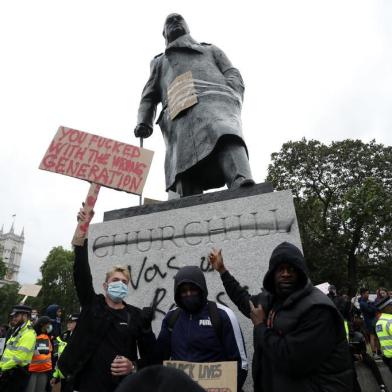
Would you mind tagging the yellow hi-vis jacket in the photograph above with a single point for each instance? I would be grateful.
(346, 328)
(384, 333)
(61, 346)
(19, 348)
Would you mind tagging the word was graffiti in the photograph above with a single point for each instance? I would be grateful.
(148, 272)
(97, 159)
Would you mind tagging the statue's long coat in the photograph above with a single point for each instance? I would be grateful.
(193, 134)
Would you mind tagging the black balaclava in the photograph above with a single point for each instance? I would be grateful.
(193, 275)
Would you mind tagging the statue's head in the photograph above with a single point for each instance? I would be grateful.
(174, 27)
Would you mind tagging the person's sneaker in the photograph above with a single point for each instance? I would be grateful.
(383, 388)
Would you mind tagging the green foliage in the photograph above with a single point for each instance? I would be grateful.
(57, 283)
(3, 268)
(8, 298)
(343, 199)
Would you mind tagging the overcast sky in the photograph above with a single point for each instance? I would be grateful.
(315, 69)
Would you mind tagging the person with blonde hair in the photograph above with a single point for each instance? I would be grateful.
(110, 333)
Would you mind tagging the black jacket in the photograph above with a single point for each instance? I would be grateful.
(305, 347)
(94, 322)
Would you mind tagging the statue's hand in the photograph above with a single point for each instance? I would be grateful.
(143, 130)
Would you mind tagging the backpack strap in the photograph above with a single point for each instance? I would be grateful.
(172, 319)
(216, 320)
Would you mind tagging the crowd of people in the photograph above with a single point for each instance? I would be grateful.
(303, 339)
(369, 328)
(33, 344)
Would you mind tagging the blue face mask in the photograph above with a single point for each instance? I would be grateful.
(117, 291)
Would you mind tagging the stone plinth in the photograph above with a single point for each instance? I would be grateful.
(154, 241)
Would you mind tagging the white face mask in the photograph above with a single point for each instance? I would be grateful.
(49, 328)
(117, 291)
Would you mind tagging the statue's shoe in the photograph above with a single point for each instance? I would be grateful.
(242, 182)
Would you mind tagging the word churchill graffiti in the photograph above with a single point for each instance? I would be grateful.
(194, 233)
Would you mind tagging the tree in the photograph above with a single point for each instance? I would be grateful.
(343, 198)
(57, 282)
(8, 298)
(8, 294)
(3, 268)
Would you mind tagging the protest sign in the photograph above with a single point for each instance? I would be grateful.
(148, 201)
(30, 290)
(323, 287)
(212, 376)
(99, 160)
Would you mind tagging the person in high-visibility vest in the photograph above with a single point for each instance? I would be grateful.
(41, 363)
(18, 351)
(384, 329)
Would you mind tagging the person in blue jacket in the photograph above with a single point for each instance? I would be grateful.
(54, 313)
(193, 337)
(369, 310)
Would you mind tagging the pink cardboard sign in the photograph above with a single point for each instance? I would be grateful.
(97, 159)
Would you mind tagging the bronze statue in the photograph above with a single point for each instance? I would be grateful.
(201, 95)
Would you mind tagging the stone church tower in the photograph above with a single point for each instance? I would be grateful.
(11, 248)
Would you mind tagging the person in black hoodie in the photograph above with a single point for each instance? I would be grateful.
(203, 331)
(300, 343)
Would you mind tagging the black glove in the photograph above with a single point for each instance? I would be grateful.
(143, 130)
(146, 317)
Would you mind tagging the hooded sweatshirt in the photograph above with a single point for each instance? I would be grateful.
(304, 347)
(193, 337)
(51, 312)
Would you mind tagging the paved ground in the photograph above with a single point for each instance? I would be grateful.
(367, 380)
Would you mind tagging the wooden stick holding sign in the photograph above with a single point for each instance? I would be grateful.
(141, 196)
(88, 207)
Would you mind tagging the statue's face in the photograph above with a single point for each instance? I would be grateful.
(175, 26)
